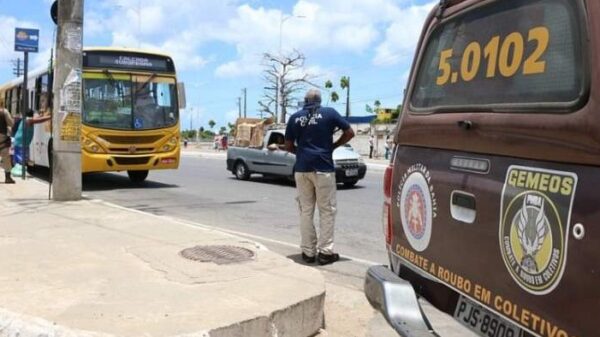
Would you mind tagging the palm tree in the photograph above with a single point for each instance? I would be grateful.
(344, 84)
(211, 124)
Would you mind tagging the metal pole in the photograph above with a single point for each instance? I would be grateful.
(24, 108)
(139, 17)
(277, 98)
(245, 98)
(66, 117)
(348, 99)
(239, 104)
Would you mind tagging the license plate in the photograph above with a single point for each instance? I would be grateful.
(484, 322)
(351, 173)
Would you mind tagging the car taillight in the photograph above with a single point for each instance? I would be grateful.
(387, 204)
(387, 183)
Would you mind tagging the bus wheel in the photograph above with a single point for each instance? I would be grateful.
(137, 177)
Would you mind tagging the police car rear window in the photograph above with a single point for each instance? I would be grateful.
(510, 53)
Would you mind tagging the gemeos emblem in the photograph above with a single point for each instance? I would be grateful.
(417, 205)
(534, 226)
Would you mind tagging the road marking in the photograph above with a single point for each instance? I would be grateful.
(232, 233)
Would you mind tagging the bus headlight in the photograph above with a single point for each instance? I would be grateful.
(170, 145)
(91, 146)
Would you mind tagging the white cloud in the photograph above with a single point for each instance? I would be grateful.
(321, 74)
(402, 36)
(177, 27)
(239, 68)
(335, 27)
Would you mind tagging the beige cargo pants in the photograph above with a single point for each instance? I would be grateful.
(5, 155)
(316, 188)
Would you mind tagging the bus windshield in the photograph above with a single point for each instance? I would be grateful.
(129, 102)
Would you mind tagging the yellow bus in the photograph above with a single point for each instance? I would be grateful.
(130, 118)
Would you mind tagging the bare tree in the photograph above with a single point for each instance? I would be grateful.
(285, 76)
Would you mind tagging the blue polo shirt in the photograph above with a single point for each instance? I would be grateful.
(312, 130)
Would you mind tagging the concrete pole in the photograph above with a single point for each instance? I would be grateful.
(67, 110)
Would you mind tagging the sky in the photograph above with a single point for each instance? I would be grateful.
(217, 45)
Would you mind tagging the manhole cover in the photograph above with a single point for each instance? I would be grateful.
(218, 254)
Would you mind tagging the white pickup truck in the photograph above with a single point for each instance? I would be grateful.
(270, 159)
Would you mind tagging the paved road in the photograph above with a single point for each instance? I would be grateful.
(264, 210)
(203, 191)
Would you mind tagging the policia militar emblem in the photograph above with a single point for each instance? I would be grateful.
(534, 226)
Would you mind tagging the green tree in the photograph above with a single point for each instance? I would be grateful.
(335, 97)
(377, 105)
(222, 130)
(396, 113)
(211, 124)
(344, 85)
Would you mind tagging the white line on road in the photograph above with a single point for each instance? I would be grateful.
(226, 231)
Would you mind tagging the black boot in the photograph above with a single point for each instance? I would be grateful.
(8, 179)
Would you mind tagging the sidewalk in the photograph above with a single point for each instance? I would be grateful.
(89, 268)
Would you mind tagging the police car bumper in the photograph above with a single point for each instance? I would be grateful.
(397, 301)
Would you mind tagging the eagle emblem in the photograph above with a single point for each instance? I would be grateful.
(531, 231)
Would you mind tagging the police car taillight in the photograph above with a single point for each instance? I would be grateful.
(387, 183)
(387, 205)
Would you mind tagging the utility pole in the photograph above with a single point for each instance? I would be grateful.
(17, 70)
(239, 104)
(66, 117)
(245, 98)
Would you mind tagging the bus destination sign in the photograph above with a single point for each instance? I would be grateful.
(131, 61)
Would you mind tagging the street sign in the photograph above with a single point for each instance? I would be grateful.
(27, 40)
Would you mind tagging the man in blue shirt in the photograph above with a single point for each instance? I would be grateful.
(309, 134)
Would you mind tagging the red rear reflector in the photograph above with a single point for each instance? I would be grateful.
(387, 182)
(387, 223)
